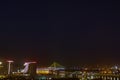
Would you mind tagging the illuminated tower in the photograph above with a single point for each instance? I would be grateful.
(30, 68)
(9, 66)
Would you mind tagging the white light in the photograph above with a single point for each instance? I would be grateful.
(10, 61)
(0, 63)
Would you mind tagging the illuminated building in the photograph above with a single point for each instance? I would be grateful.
(43, 71)
(30, 68)
(55, 69)
(9, 66)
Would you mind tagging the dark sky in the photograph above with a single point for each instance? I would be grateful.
(72, 33)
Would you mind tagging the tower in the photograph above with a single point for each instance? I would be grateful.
(30, 68)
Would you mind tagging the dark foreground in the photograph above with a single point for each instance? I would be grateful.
(21, 78)
(44, 79)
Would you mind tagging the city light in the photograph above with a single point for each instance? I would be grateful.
(9, 66)
(10, 61)
(58, 71)
(0, 63)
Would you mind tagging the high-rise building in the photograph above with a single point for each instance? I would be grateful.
(30, 68)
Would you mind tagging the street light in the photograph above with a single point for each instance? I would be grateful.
(9, 66)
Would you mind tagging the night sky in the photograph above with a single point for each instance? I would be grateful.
(71, 33)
